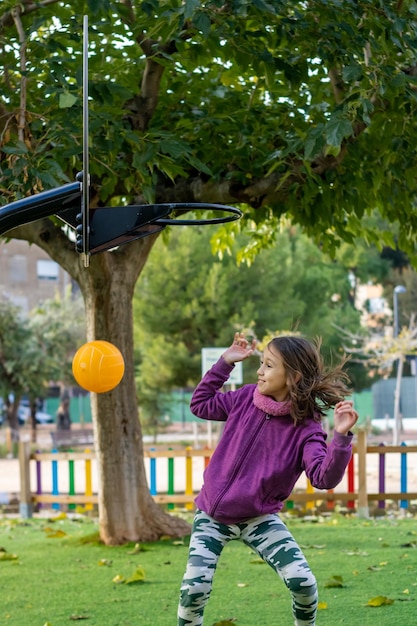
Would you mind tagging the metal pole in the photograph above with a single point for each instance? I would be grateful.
(85, 198)
(398, 289)
(397, 392)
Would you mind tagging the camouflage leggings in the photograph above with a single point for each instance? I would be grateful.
(271, 539)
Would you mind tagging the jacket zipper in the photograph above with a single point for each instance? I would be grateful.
(239, 464)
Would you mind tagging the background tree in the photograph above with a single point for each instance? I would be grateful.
(36, 350)
(292, 110)
(14, 336)
(186, 299)
(383, 354)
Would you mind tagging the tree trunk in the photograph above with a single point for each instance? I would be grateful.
(127, 511)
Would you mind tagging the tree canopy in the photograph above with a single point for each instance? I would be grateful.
(186, 299)
(297, 109)
(301, 112)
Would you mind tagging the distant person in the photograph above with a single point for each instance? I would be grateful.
(272, 434)
(63, 417)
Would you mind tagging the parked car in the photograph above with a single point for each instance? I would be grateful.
(23, 414)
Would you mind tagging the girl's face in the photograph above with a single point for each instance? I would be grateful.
(272, 377)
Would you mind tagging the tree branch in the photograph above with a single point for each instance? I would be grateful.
(25, 7)
(337, 85)
(16, 13)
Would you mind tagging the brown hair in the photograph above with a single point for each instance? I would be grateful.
(313, 388)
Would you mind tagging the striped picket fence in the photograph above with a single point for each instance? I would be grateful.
(49, 468)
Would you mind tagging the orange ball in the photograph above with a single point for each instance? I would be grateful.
(98, 366)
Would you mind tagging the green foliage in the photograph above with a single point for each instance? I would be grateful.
(38, 349)
(187, 299)
(307, 112)
(14, 336)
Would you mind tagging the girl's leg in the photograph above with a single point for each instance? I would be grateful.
(208, 539)
(271, 539)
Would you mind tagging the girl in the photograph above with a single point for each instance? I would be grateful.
(271, 435)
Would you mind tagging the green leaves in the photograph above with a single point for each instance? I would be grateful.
(337, 129)
(226, 91)
(37, 349)
(67, 100)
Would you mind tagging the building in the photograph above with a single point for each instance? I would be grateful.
(28, 276)
(375, 312)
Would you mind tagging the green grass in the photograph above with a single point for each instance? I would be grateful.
(62, 574)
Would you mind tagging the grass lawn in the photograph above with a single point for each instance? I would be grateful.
(54, 572)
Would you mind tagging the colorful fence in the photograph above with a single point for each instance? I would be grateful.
(54, 466)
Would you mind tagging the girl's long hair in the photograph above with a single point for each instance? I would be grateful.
(313, 388)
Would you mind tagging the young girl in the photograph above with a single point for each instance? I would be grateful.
(271, 435)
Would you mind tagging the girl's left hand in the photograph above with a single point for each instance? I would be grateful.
(240, 349)
(345, 417)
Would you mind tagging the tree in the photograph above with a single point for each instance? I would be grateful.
(186, 299)
(382, 354)
(14, 338)
(36, 350)
(301, 111)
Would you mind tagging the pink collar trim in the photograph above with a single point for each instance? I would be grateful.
(269, 405)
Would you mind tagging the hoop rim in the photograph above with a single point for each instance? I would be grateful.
(233, 213)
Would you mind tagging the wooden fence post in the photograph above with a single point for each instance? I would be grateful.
(363, 508)
(25, 504)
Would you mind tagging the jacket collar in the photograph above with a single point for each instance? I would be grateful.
(269, 405)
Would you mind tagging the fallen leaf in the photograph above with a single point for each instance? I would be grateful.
(118, 579)
(379, 601)
(138, 576)
(106, 562)
(77, 617)
(58, 518)
(335, 581)
(227, 622)
(56, 534)
(322, 606)
(8, 556)
(136, 549)
(242, 584)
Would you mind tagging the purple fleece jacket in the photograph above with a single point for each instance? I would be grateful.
(261, 453)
